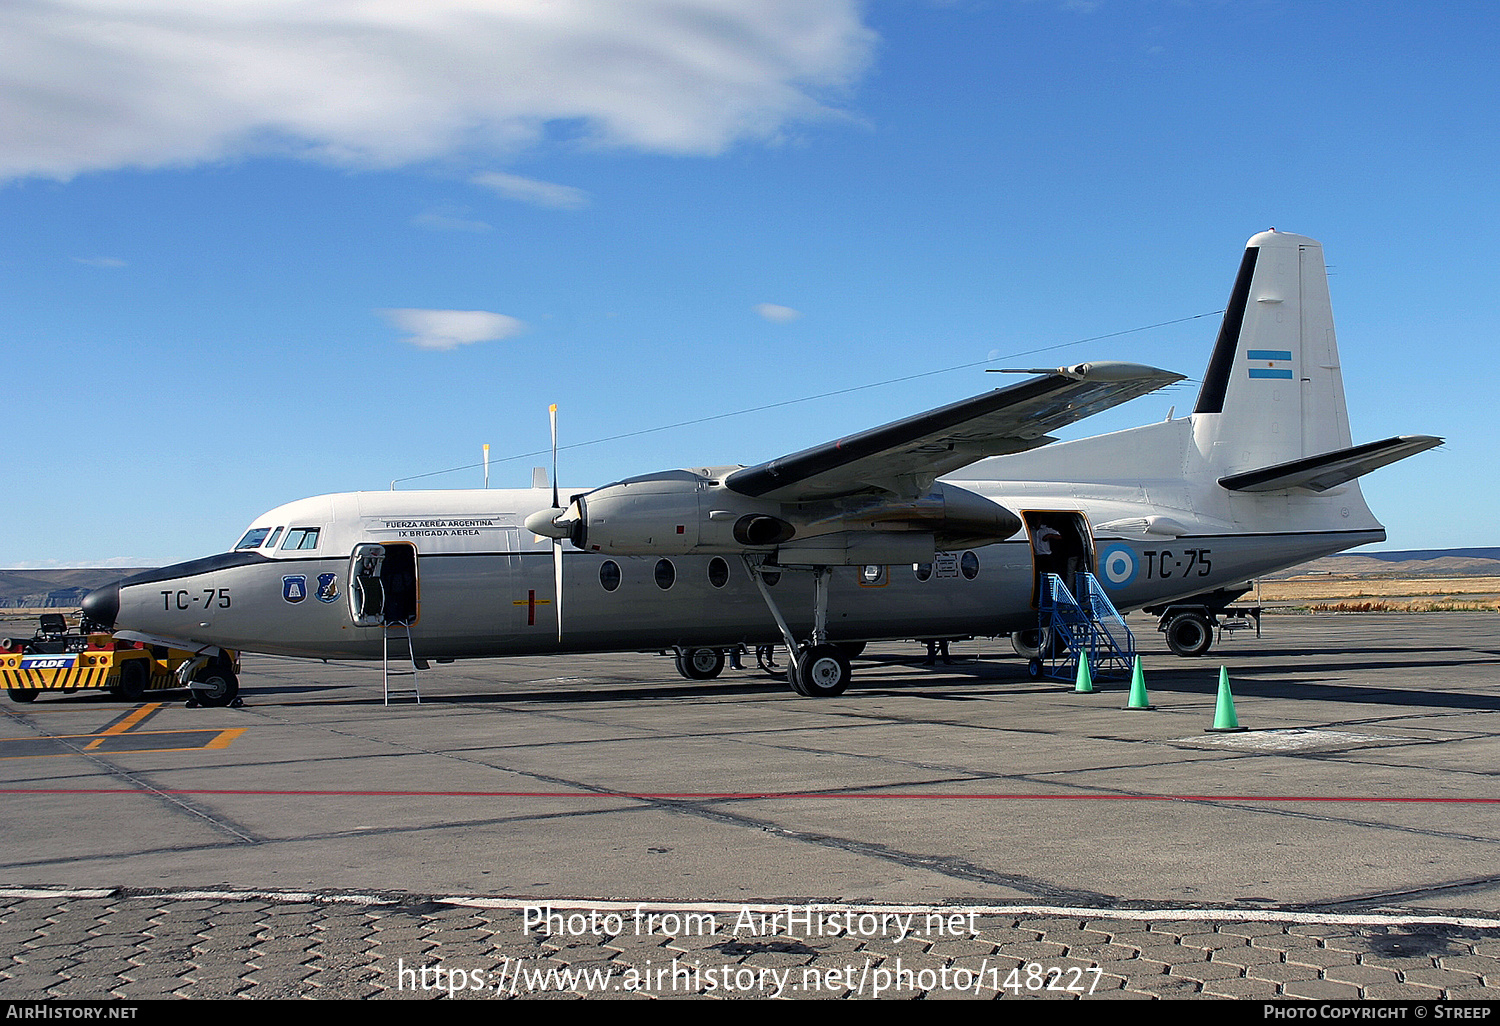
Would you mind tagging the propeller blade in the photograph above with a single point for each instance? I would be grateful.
(552, 411)
(557, 550)
(557, 580)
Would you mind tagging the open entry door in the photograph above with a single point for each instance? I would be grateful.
(1061, 544)
(383, 584)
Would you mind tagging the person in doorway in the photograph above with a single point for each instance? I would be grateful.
(1043, 538)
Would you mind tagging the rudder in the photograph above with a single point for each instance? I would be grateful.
(1273, 391)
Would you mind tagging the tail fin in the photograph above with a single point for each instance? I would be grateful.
(1271, 412)
(1273, 391)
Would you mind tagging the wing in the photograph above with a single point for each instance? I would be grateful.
(903, 458)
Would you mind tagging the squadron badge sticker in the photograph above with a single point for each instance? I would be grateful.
(294, 589)
(328, 587)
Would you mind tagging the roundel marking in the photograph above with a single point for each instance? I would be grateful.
(1118, 566)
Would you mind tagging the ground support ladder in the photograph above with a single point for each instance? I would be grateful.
(400, 632)
(1087, 625)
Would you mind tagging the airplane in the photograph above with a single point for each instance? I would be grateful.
(941, 524)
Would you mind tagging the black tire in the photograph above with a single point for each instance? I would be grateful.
(1034, 668)
(822, 671)
(135, 679)
(221, 687)
(794, 680)
(1189, 634)
(1037, 643)
(22, 694)
(700, 663)
(852, 649)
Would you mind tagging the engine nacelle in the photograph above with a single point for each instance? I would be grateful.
(640, 516)
(685, 512)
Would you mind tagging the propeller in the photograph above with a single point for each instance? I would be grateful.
(557, 551)
(546, 523)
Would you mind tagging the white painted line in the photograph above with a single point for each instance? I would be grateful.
(1291, 739)
(1211, 915)
(61, 892)
(1232, 915)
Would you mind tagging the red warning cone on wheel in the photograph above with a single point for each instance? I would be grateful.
(1224, 718)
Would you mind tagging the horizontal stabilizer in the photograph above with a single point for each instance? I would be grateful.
(1320, 473)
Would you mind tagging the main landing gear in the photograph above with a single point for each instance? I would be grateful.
(1189, 634)
(816, 668)
(700, 663)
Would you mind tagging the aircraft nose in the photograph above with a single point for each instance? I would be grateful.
(102, 605)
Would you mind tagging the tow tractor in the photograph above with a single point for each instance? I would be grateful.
(61, 660)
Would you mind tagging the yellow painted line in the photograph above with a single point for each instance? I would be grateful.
(153, 751)
(101, 734)
(129, 721)
(221, 739)
(224, 740)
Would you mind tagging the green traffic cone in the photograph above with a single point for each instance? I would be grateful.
(1138, 688)
(1224, 718)
(1085, 684)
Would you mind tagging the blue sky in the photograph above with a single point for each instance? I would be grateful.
(285, 247)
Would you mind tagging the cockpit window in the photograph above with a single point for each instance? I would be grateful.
(253, 538)
(271, 541)
(301, 538)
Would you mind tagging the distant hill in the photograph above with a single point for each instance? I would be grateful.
(1407, 554)
(1416, 563)
(55, 589)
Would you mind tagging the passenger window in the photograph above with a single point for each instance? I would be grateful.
(609, 574)
(301, 538)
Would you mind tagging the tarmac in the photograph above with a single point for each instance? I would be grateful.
(597, 826)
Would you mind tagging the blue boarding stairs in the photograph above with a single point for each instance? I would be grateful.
(1085, 625)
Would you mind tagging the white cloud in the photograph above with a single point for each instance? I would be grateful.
(101, 261)
(529, 190)
(449, 329)
(96, 84)
(777, 314)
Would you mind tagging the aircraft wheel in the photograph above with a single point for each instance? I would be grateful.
(851, 649)
(22, 694)
(1189, 634)
(134, 679)
(222, 687)
(1037, 643)
(793, 679)
(700, 663)
(823, 671)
